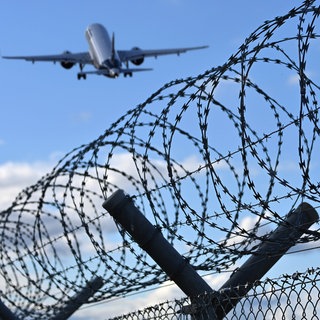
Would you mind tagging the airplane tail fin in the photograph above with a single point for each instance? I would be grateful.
(113, 50)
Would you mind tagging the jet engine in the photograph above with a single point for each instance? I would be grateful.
(138, 61)
(67, 64)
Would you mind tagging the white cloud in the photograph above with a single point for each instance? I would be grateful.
(248, 223)
(15, 176)
(293, 79)
(20, 173)
(167, 291)
(122, 166)
(82, 116)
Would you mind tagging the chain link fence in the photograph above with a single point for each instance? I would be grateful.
(295, 296)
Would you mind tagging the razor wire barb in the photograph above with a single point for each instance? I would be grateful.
(216, 161)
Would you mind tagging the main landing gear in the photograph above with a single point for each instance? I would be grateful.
(128, 73)
(82, 76)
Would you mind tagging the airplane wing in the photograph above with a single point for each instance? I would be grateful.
(67, 57)
(136, 53)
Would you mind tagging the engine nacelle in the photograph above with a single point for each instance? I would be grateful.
(67, 64)
(138, 61)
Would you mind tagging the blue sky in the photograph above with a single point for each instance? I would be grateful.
(46, 111)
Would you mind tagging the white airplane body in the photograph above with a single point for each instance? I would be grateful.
(103, 56)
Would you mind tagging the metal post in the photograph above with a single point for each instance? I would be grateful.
(79, 299)
(5, 313)
(150, 239)
(268, 253)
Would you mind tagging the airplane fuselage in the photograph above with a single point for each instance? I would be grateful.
(102, 50)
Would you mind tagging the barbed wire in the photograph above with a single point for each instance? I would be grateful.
(216, 161)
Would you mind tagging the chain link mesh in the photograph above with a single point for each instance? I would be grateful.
(293, 296)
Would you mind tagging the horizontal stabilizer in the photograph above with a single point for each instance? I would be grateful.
(113, 72)
(128, 70)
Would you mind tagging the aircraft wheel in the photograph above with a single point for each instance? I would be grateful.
(82, 75)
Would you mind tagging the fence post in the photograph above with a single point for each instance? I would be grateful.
(79, 299)
(267, 254)
(150, 239)
(5, 313)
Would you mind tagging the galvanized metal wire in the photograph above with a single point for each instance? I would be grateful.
(293, 296)
(216, 161)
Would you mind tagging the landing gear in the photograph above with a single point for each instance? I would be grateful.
(82, 76)
(127, 73)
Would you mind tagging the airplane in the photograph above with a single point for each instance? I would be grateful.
(103, 56)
